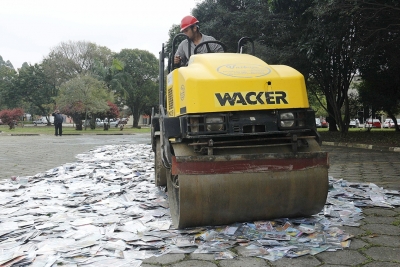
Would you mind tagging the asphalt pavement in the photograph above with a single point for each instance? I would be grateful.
(376, 241)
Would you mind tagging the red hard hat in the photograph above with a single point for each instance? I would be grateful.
(188, 21)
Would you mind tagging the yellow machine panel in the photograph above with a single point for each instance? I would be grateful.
(222, 82)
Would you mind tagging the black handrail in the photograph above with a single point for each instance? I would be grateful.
(171, 64)
(244, 40)
(161, 87)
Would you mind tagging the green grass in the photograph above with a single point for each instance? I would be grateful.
(377, 137)
(68, 130)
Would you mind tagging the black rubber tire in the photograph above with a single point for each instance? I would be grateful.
(160, 172)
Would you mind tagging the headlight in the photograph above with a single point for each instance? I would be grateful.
(287, 119)
(194, 125)
(215, 124)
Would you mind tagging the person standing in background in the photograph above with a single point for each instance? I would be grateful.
(58, 120)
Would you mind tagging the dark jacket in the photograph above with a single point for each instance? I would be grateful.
(58, 118)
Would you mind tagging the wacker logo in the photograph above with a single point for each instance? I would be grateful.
(252, 98)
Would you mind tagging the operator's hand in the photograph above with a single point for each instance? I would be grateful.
(177, 60)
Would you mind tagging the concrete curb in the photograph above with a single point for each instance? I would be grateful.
(363, 146)
(12, 134)
(326, 143)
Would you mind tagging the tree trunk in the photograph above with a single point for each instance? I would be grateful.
(85, 119)
(76, 118)
(331, 119)
(136, 116)
(393, 117)
(344, 124)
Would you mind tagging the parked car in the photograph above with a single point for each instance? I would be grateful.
(99, 123)
(40, 121)
(391, 125)
(114, 123)
(387, 122)
(318, 122)
(354, 123)
(123, 121)
(372, 123)
(118, 122)
(324, 123)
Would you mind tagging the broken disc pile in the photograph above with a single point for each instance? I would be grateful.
(104, 210)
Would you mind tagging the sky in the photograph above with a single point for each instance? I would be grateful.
(29, 29)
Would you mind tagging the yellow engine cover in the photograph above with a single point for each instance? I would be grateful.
(221, 82)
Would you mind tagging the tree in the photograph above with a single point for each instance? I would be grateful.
(378, 17)
(324, 38)
(82, 97)
(173, 31)
(355, 104)
(7, 63)
(10, 116)
(33, 86)
(332, 55)
(107, 74)
(70, 59)
(379, 65)
(136, 82)
(228, 21)
(112, 112)
(7, 76)
(316, 99)
(381, 91)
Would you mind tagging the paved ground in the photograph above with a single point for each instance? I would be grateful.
(376, 242)
(28, 155)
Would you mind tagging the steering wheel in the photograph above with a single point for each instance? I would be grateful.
(224, 48)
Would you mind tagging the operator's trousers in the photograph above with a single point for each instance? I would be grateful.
(58, 128)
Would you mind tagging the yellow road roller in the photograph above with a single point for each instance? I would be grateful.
(235, 140)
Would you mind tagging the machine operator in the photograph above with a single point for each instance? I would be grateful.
(190, 27)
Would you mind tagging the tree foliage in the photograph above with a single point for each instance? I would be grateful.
(331, 49)
(380, 62)
(82, 97)
(137, 81)
(7, 76)
(173, 31)
(375, 91)
(33, 86)
(228, 21)
(112, 112)
(8, 116)
(70, 59)
(7, 63)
